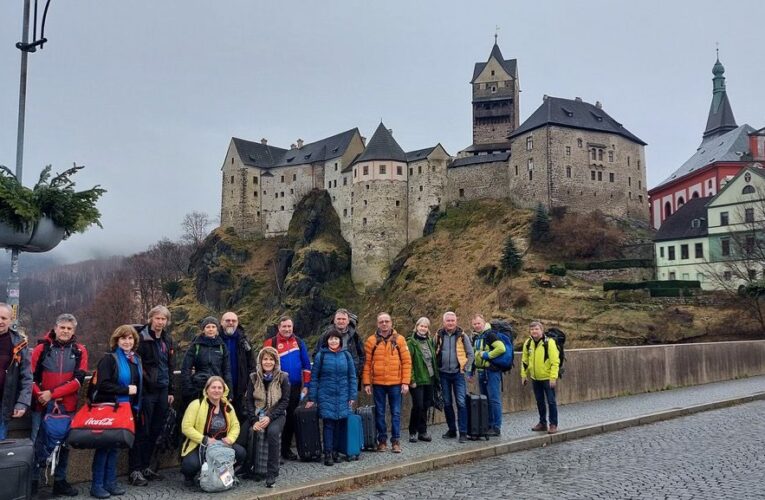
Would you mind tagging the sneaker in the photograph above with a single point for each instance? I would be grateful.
(540, 427)
(136, 479)
(99, 492)
(151, 475)
(395, 447)
(328, 460)
(450, 435)
(64, 489)
(382, 446)
(270, 481)
(495, 432)
(553, 429)
(289, 455)
(425, 437)
(463, 438)
(115, 489)
(412, 438)
(336, 457)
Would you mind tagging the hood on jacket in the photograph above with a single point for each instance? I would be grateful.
(275, 354)
(325, 338)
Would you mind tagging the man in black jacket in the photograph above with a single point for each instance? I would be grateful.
(241, 358)
(156, 350)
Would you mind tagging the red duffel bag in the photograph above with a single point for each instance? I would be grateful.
(102, 425)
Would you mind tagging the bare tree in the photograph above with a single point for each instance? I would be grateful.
(195, 227)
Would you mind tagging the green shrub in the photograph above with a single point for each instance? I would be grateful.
(651, 285)
(609, 264)
(556, 270)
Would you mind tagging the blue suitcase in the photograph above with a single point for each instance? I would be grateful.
(351, 437)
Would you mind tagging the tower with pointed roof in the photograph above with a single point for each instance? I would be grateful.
(495, 103)
(720, 118)
(379, 215)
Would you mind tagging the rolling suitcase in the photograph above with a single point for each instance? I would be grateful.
(351, 437)
(16, 458)
(478, 416)
(257, 455)
(307, 433)
(367, 414)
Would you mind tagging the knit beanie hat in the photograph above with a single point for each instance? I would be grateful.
(209, 320)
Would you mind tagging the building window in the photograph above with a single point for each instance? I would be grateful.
(530, 163)
(661, 252)
(345, 181)
(667, 209)
(593, 154)
(365, 203)
(232, 179)
(516, 170)
(683, 252)
(698, 250)
(334, 183)
(399, 170)
(671, 252)
(462, 193)
(276, 195)
(640, 186)
(600, 176)
(345, 212)
(366, 170)
(628, 161)
(686, 276)
(725, 247)
(724, 218)
(709, 184)
(282, 207)
(749, 215)
(282, 177)
(411, 170)
(600, 155)
(610, 177)
(531, 175)
(367, 187)
(579, 143)
(421, 189)
(672, 275)
(329, 184)
(232, 160)
(254, 180)
(419, 169)
(364, 221)
(335, 166)
(629, 181)
(749, 244)
(748, 189)
(638, 165)
(568, 150)
(568, 172)
(255, 194)
(292, 191)
(640, 197)
(281, 194)
(382, 169)
(398, 203)
(592, 175)
(727, 275)
(610, 156)
(493, 89)
(529, 143)
(680, 202)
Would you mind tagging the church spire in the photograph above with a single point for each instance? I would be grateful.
(721, 117)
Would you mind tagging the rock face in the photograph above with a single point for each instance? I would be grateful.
(215, 284)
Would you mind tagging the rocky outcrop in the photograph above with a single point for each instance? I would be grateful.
(213, 267)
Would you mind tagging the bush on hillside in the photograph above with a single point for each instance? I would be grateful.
(585, 236)
(511, 259)
(540, 226)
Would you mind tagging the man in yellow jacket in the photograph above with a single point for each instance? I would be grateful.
(541, 361)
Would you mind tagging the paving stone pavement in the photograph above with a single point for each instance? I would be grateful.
(710, 455)
(515, 425)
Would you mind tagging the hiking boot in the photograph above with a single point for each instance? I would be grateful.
(540, 427)
(395, 447)
(115, 489)
(328, 460)
(289, 455)
(463, 438)
(151, 475)
(425, 437)
(136, 479)
(99, 492)
(450, 435)
(336, 457)
(189, 482)
(270, 481)
(553, 429)
(495, 432)
(63, 488)
(412, 438)
(382, 446)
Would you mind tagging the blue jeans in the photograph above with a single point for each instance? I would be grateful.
(454, 382)
(63, 456)
(104, 468)
(490, 382)
(332, 430)
(393, 395)
(543, 390)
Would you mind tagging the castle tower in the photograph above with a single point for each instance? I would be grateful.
(720, 118)
(495, 103)
(379, 209)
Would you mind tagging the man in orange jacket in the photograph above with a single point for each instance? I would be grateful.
(387, 372)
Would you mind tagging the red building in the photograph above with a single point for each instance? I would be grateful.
(725, 149)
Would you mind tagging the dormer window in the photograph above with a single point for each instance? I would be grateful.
(696, 223)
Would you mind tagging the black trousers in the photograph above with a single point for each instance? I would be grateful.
(422, 399)
(289, 424)
(191, 465)
(148, 426)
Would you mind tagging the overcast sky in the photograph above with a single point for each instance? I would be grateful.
(147, 94)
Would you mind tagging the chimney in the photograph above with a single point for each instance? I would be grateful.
(292, 146)
(578, 99)
(598, 105)
(364, 141)
(300, 143)
(390, 131)
(544, 97)
(264, 141)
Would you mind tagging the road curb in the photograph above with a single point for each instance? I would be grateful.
(424, 464)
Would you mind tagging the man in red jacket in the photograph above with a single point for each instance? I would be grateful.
(59, 365)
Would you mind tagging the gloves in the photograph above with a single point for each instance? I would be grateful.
(485, 356)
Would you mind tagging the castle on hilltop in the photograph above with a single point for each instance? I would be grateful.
(567, 153)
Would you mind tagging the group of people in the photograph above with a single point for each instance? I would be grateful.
(229, 389)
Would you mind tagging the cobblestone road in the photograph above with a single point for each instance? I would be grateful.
(711, 455)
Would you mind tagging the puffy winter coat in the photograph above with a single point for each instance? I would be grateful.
(388, 361)
(206, 356)
(333, 383)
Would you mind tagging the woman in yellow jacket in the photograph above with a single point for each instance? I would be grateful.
(541, 361)
(209, 419)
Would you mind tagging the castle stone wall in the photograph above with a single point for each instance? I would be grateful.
(240, 205)
(281, 189)
(427, 189)
(473, 182)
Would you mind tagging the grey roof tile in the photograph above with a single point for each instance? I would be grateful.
(478, 159)
(679, 225)
(382, 146)
(319, 151)
(256, 154)
(419, 154)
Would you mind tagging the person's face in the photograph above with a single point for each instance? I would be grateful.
(341, 321)
(268, 363)
(211, 330)
(384, 323)
(230, 322)
(333, 342)
(5, 319)
(478, 324)
(285, 328)
(126, 343)
(215, 391)
(422, 329)
(158, 323)
(450, 322)
(536, 332)
(64, 331)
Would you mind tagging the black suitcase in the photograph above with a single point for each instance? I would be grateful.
(478, 416)
(256, 466)
(367, 414)
(307, 433)
(16, 458)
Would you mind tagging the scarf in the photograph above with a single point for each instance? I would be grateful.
(124, 375)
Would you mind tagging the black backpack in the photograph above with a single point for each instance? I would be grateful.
(559, 337)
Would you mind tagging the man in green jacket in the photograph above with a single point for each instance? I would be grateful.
(487, 346)
(541, 361)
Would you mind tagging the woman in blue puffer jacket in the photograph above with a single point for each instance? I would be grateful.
(333, 387)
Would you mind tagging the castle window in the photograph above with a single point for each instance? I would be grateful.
(432, 168)
(355, 171)
(462, 193)
(399, 170)
(749, 215)
(411, 170)
(232, 179)
(282, 178)
(398, 203)
(725, 247)
(366, 170)
(232, 160)
(367, 187)
(292, 191)
(531, 175)
(365, 203)
(266, 226)
(610, 177)
(600, 176)
(748, 189)
(258, 213)
(255, 194)
(282, 194)
(329, 184)
(294, 177)
(493, 89)
(419, 169)
(421, 189)
(600, 155)
(345, 212)
(364, 221)
(630, 195)
(254, 180)
(382, 169)
(264, 192)
(592, 175)
(610, 156)
(629, 181)
(282, 207)
(529, 143)
(568, 150)
(628, 161)
(351, 210)
(516, 170)
(335, 166)
(492, 72)
(345, 181)
(276, 195)
(638, 165)
(579, 143)
(530, 163)
(351, 194)
(671, 254)
(640, 198)
(334, 183)
(640, 186)
(593, 154)
(568, 172)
